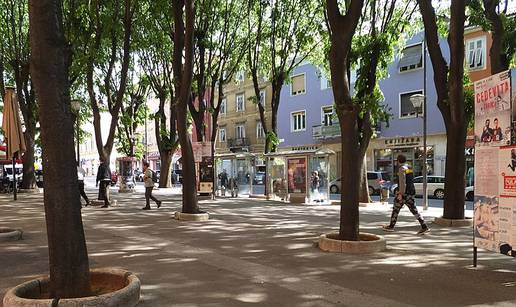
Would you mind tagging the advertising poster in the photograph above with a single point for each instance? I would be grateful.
(493, 110)
(513, 87)
(507, 171)
(296, 175)
(486, 171)
(486, 222)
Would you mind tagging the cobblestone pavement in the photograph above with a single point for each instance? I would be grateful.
(254, 252)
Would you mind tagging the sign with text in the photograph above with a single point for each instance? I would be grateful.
(493, 110)
(406, 141)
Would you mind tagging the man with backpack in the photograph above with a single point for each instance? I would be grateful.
(148, 176)
(405, 196)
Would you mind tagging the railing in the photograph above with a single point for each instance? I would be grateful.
(325, 132)
(238, 142)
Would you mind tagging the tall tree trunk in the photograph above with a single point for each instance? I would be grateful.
(164, 170)
(364, 186)
(351, 170)
(68, 256)
(29, 178)
(499, 60)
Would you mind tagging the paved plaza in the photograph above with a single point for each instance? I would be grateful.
(258, 253)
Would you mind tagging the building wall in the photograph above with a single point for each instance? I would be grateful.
(311, 102)
(249, 117)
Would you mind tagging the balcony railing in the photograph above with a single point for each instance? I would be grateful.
(238, 143)
(325, 132)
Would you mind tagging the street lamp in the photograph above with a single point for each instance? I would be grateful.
(419, 103)
(76, 108)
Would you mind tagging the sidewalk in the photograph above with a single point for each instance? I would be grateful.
(254, 252)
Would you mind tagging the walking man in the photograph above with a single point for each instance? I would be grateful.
(80, 176)
(149, 185)
(405, 196)
(104, 177)
(223, 177)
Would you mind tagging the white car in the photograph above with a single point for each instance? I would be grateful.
(435, 186)
(469, 193)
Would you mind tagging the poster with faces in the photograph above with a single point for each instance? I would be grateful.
(493, 110)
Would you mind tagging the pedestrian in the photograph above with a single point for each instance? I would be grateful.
(80, 176)
(104, 178)
(149, 185)
(315, 183)
(223, 177)
(405, 196)
(233, 186)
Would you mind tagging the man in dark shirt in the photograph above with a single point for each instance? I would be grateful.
(405, 196)
(104, 177)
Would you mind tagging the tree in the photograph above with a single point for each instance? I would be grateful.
(14, 32)
(154, 44)
(182, 66)
(229, 46)
(106, 61)
(492, 16)
(277, 45)
(449, 84)
(68, 256)
(341, 31)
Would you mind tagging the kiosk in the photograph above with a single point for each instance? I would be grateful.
(125, 168)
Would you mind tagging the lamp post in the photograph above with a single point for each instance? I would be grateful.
(76, 108)
(419, 103)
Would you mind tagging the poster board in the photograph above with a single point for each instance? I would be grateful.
(494, 224)
(296, 175)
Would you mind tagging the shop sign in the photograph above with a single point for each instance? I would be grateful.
(409, 141)
(469, 151)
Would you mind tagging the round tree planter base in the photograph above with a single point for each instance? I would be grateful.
(111, 287)
(126, 191)
(10, 234)
(441, 221)
(369, 243)
(197, 217)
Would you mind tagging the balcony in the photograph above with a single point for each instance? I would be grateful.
(239, 144)
(325, 132)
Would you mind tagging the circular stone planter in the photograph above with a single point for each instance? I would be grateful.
(441, 221)
(369, 243)
(112, 287)
(10, 234)
(29, 191)
(196, 217)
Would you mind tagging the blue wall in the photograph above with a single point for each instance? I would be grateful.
(392, 86)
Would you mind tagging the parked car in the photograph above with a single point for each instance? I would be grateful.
(469, 193)
(435, 186)
(375, 180)
(259, 178)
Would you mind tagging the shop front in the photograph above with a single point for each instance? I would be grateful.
(383, 153)
(299, 176)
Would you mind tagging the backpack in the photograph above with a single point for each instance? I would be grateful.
(154, 176)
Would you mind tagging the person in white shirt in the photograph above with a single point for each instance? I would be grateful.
(80, 176)
(149, 185)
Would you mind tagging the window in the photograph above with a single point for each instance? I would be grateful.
(262, 98)
(475, 53)
(420, 180)
(298, 121)
(406, 108)
(239, 76)
(327, 116)
(260, 134)
(372, 176)
(223, 106)
(240, 103)
(411, 58)
(298, 85)
(240, 131)
(222, 134)
(325, 83)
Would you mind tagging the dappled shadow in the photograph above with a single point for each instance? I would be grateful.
(253, 251)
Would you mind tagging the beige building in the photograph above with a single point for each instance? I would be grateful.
(240, 128)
